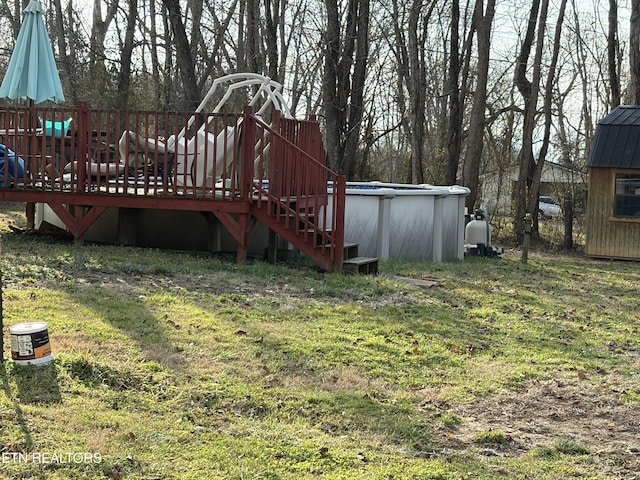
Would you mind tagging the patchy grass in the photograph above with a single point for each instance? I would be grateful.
(173, 365)
(492, 437)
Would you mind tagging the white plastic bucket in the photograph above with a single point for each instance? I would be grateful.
(30, 344)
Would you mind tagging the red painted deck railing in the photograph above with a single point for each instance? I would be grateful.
(105, 158)
(109, 152)
(304, 198)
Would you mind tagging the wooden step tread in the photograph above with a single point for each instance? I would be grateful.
(350, 250)
(360, 260)
(360, 265)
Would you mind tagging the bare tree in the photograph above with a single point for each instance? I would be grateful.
(410, 24)
(454, 128)
(13, 13)
(345, 69)
(183, 54)
(547, 111)
(64, 61)
(272, 22)
(97, 57)
(254, 49)
(581, 62)
(613, 53)
(634, 52)
(475, 143)
(529, 90)
(124, 77)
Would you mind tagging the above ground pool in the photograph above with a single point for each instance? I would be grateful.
(401, 221)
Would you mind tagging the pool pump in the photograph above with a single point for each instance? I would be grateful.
(477, 237)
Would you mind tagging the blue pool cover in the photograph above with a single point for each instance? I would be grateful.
(9, 165)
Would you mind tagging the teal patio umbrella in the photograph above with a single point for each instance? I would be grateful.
(32, 73)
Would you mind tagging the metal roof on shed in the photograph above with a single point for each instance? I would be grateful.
(616, 143)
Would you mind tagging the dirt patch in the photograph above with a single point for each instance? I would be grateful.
(547, 412)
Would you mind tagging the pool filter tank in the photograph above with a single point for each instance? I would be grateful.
(477, 236)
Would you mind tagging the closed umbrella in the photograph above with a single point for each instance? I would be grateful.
(32, 73)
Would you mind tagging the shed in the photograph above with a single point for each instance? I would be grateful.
(613, 206)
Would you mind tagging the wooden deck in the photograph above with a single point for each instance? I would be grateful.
(235, 167)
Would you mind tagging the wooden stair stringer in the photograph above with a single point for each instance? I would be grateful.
(327, 257)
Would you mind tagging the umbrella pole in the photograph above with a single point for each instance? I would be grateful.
(30, 164)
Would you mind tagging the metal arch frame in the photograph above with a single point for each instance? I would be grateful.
(268, 88)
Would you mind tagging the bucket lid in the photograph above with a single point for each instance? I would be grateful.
(26, 328)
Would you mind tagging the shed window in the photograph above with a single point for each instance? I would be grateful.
(627, 197)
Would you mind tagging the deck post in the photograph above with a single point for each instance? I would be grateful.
(247, 149)
(272, 248)
(127, 226)
(214, 233)
(78, 213)
(30, 213)
(245, 227)
(84, 142)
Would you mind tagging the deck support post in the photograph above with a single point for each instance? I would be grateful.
(78, 240)
(214, 233)
(78, 219)
(78, 213)
(272, 248)
(245, 227)
(127, 226)
(30, 213)
(240, 229)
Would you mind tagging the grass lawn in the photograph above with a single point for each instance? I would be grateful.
(181, 365)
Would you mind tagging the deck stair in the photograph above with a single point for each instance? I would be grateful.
(310, 242)
(300, 199)
(353, 264)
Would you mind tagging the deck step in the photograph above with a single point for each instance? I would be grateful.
(360, 265)
(350, 250)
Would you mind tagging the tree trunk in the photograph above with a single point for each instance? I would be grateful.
(612, 54)
(358, 80)
(63, 59)
(254, 51)
(183, 55)
(567, 211)
(408, 46)
(529, 91)
(634, 53)
(97, 68)
(454, 137)
(343, 82)
(475, 142)
(155, 59)
(124, 76)
(333, 109)
(547, 110)
(581, 67)
(416, 83)
(272, 20)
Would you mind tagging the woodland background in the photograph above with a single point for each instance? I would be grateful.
(421, 91)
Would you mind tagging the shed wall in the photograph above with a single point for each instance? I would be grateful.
(608, 236)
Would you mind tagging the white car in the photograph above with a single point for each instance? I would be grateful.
(548, 208)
